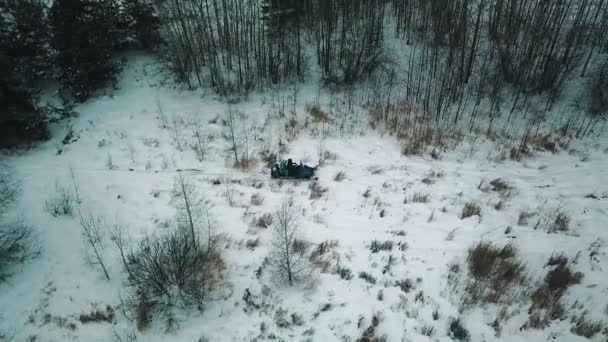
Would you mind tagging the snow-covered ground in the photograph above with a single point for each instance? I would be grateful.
(46, 296)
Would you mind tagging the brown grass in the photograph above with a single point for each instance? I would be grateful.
(470, 209)
(546, 299)
(495, 272)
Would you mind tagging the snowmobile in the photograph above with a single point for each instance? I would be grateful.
(286, 169)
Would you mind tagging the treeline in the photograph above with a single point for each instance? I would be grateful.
(71, 41)
(435, 58)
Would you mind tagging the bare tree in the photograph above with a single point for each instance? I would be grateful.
(168, 267)
(238, 134)
(193, 211)
(119, 239)
(201, 142)
(231, 135)
(288, 252)
(92, 234)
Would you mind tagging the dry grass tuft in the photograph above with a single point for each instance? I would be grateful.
(495, 271)
(470, 209)
(98, 315)
(340, 176)
(257, 199)
(316, 190)
(264, 221)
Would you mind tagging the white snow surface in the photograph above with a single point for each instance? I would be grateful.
(50, 291)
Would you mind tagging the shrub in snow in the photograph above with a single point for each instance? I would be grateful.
(494, 271)
(16, 238)
(257, 199)
(340, 176)
(367, 277)
(62, 204)
(524, 216)
(457, 331)
(345, 273)
(587, 328)
(369, 334)
(316, 190)
(170, 269)
(405, 285)
(264, 221)
(16, 245)
(546, 299)
(98, 315)
(470, 209)
(377, 246)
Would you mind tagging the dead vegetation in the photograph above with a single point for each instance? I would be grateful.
(546, 299)
(585, 327)
(494, 273)
(369, 334)
(98, 315)
(524, 216)
(555, 221)
(257, 199)
(367, 277)
(470, 209)
(417, 197)
(406, 285)
(316, 190)
(319, 257)
(264, 221)
(316, 113)
(378, 246)
(340, 176)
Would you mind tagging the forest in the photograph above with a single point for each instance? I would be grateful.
(430, 63)
(312, 170)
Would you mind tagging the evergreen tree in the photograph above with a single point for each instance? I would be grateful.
(85, 34)
(143, 23)
(22, 59)
(27, 38)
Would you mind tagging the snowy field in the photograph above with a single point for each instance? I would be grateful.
(121, 164)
